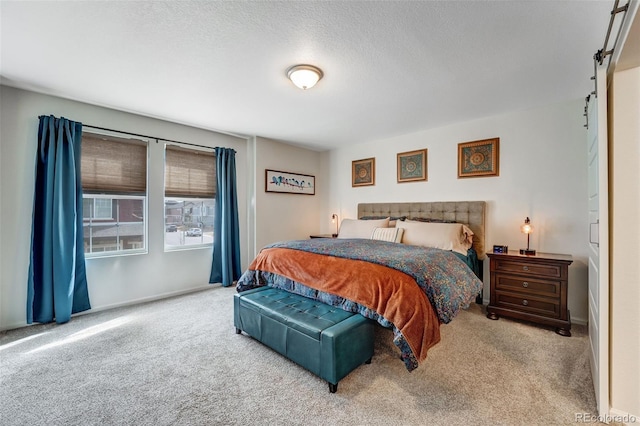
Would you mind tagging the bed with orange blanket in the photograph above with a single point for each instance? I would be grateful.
(410, 289)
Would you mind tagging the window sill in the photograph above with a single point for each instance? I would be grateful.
(90, 256)
(188, 247)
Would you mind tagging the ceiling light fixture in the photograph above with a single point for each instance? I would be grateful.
(304, 76)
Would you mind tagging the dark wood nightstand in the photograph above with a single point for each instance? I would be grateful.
(321, 236)
(531, 288)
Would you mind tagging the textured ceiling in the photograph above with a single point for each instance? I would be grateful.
(390, 68)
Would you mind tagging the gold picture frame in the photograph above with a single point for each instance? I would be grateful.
(479, 158)
(363, 172)
(412, 166)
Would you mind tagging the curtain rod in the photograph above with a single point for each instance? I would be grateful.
(146, 136)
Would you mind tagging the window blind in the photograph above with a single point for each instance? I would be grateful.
(113, 165)
(189, 173)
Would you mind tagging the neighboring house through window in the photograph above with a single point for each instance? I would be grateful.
(97, 208)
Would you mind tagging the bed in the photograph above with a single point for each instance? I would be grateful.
(407, 287)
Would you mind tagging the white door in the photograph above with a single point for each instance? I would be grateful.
(599, 241)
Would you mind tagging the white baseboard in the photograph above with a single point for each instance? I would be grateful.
(121, 304)
(145, 299)
(579, 321)
(619, 416)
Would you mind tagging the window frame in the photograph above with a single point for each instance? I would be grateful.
(103, 222)
(182, 198)
(92, 215)
(121, 196)
(183, 246)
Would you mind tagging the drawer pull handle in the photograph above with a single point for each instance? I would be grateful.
(525, 302)
(525, 284)
(525, 268)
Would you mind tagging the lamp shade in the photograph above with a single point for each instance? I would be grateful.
(304, 76)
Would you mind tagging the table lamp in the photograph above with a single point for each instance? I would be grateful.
(334, 219)
(526, 228)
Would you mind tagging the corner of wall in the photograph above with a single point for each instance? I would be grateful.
(251, 198)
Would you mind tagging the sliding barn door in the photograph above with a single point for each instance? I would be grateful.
(599, 241)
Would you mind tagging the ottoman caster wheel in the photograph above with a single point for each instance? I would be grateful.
(333, 388)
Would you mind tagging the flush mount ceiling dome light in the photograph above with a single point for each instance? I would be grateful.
(304, 76)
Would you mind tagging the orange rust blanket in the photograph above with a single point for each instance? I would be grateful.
(389, 292)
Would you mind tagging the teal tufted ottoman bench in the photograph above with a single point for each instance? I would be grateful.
(325, 340)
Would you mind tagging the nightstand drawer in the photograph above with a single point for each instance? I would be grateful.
(528, 268)
(531, 288)
(535, 305)
(527, 285)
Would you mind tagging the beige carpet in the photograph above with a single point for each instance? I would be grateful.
(179, 362)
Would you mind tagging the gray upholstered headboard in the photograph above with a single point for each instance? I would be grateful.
(470, 213)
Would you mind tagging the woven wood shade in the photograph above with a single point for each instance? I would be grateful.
(189, 173)
(112, 165)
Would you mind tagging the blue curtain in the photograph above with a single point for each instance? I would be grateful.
(57, 283)
(225, 268)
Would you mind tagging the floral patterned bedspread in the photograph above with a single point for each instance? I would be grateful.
(446, 280)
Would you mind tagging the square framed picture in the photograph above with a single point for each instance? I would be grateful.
(290, 183)
(479, 158)
(412, 166)
(363, 172)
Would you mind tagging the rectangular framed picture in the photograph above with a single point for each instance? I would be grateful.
(289, 183)
(412, 166)
(363, 172)
(479, 158)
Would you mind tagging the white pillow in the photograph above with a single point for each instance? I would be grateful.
(354, 228)
(392, 235)
(446, 236)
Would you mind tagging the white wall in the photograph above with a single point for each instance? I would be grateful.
(624, 148)
(543, 175)
(287, 216)
(116, 280)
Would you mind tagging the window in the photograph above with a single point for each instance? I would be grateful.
(122, 230)
(114, 185)
(189, 203)
(97, 208)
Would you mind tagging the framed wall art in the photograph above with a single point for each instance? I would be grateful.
(363, 172)
(479, 158)
(412, 166)
(290, 183)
